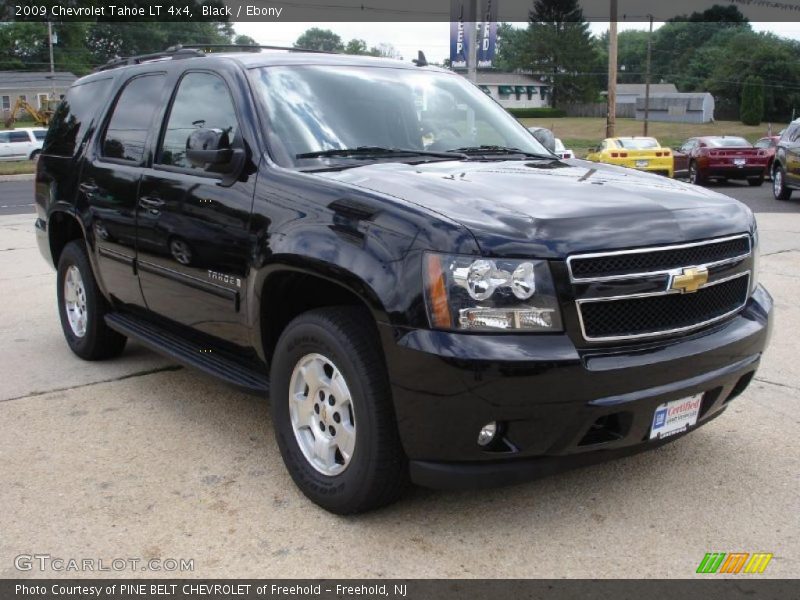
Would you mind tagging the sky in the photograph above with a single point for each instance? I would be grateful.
(431, 38)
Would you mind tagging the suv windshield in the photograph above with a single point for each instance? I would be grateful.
(314, 109)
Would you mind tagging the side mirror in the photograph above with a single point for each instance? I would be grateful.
(546, 138)
(208, 147)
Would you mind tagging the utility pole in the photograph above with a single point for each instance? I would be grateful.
(611, 118)
(647, 77)
(472, 42)
(52, 63)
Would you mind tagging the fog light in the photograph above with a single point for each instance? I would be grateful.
(487, 434)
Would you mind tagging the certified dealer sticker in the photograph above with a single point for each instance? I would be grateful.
(676, 416)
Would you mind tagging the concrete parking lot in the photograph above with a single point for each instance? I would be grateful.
(140, 458)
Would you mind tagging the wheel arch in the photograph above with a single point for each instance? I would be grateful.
(288, 290)
(63, 227)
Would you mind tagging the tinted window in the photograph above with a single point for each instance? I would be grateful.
(39, 135)
(638, 143)
(19, 136)
(127, 130)
(202, 101)
(73, 117)
(729, 142)
(4, 137)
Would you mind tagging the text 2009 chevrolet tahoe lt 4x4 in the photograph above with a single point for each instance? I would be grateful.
(424, 291)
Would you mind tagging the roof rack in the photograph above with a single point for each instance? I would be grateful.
(193, 50)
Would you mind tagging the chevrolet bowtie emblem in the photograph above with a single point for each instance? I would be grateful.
(689, 280)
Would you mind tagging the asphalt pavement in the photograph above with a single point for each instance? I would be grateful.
(16, 197)
(136, 457)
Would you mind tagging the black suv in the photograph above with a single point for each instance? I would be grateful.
(423, 289)
(786, 164)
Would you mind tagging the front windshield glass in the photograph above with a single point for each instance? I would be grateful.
(728, 142)
(319, 108)
(637, 143)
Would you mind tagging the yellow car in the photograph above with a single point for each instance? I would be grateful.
(641, 153)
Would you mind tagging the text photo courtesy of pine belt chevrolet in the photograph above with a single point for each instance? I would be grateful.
(425, 292)
(641, 153)
(721, 157)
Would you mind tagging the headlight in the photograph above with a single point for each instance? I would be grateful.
(465, 293)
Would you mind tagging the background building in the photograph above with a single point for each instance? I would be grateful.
(515, 90)
(34, 86)
(628, 93)
(678, 107)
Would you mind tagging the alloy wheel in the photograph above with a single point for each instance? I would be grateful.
(322, 414)
(75, 301)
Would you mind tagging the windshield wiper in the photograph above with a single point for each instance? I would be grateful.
(491, 149)
(372, 151)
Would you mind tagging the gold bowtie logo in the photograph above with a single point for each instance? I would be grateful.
(689, 280)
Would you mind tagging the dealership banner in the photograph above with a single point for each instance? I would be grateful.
(461, 15)
(487, 39)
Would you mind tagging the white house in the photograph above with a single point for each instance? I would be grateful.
(35, 87)
(515, 90)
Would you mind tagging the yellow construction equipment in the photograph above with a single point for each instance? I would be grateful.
(41, 116)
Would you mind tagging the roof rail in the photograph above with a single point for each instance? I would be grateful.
(180, 51)
(173, 52)
(252, 47)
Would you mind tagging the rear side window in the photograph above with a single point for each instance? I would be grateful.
(19, 136)
(202, 102)
(39, 135)
(126, 133)
(74, 116)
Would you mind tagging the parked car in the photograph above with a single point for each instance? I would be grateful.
(464, 311)
(24, 143)
(642, 153)
(562, 151)
(720, 157)
(786, 163)
(768, 144)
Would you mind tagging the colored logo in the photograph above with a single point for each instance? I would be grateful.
(660, 418)
(734, 562)
(689, 280)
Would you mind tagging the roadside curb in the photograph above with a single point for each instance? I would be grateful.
(23, 177)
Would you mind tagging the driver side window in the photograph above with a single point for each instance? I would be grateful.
(202, 101)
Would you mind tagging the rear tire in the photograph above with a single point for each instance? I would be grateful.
(695, 176)
(82, 307)
(755, 181)
(335, 352)
(779, 189)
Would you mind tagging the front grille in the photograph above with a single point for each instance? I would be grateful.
(662, 313)
(613, 264)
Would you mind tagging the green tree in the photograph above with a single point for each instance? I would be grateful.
(561, 47)
(752, 107)
(320, 39)
(512, 47)
(244, 40)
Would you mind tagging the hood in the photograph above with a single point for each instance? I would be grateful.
(549, 209)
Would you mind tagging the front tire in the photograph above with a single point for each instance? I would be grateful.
(82, 307)
(779, 189)
(332, 412)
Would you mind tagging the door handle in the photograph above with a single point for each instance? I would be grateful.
(151, 202)
(88, 188)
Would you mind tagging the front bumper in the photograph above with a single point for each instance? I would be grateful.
(559, 406)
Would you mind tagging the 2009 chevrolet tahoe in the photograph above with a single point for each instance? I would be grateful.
(425, 292)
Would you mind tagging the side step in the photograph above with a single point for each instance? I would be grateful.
(190, 353)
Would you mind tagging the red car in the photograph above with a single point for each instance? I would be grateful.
(768, 144)
(720, 157)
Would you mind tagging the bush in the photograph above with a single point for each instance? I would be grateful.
(751, 111)
(537, 113)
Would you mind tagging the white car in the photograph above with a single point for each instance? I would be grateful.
(24, 143)
(562, 151)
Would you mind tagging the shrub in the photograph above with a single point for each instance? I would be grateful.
(751, 111)
(537, 113)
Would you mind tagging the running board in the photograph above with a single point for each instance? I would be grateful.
(187, 352)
